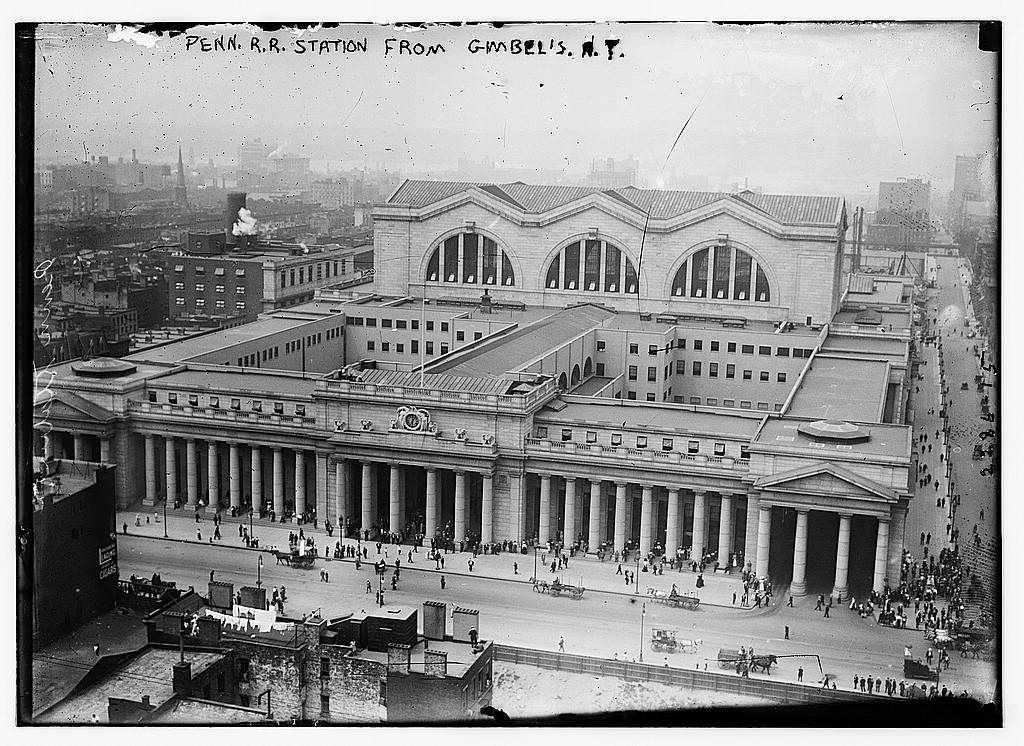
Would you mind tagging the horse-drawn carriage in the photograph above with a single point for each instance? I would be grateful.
(915, 668)
(670, 598)
(743, 664)
(665, 639)
(557, 588)
(294, 558)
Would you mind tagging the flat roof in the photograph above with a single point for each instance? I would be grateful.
(883, 439)
(897, 319)
(147, 673)
(518, 348)
(591, 386)
(240, 380)
(460, 655)
(875, 344)
(661, 417)
(839, 388)
(441, 382)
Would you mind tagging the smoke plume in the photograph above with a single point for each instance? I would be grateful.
(245, 225)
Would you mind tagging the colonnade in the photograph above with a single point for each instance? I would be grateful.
(53, 445)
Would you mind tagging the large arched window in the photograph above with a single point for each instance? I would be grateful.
(592, 266)
(470, 259)
(722, 272)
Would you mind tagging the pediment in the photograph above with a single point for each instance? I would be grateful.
(827, 480)
(63, 405)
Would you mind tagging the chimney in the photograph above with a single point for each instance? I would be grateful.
(254, 598)
(398, 658)
(221, 595)
(435, 664)
(209, 631)
(145, 700)
(463, 620)
(235, 202)
(182, 679)
(434, 613)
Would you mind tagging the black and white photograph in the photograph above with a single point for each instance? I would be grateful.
(496, 373)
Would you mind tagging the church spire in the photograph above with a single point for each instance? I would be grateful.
(181, 169)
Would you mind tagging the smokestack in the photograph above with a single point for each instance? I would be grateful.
(236, 202)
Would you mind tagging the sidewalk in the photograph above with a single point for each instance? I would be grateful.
(592, 574)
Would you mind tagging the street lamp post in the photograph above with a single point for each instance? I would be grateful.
(250, 524)
(535, 562)
(636, 575)
(643, 613)
(259, 569)
(165, 516)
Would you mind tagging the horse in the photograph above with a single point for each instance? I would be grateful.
(764, 662)
(687, 645)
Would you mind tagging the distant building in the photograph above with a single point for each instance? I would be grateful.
(74, 543)
(609, 174)
(903, 217)
(332, 194)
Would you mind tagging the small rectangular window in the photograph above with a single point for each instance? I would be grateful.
(430, 348)
(694, 400)
(591, 436)
(257, 405)
(714, 346)
(764, 375)
(200, 269)
(782, 352)
(634, 349)
(693, 446)
(631, 395)
(698, 344)
(444, 326)
(650, 397)
(385, 347)
(200, 302)
(652, 349)
(356, 320)
(666, 444)
(477, 335)
(400, 323)
(744, 404)
(600, 345)
(444, 348)
(179, 267)
(728, 402)
(631, 373)
(236, 403)
(430, 326)
(731, 347)
(300, 410)
(600, 370)
(415, 324)
(719, 449)
(616, 439)
(782, 377)
(652, 373)
(748, 349)
(681, 367)
(696, 368)
(218, 272)
(200, 287)
(371, 345)
(172, 398)
(542, 432)
(215, 402)
(712, 401)
(763, 406)
(747, 375)
(179, 286)
(239, 273)
(460, 336)
(193, 400)
(152, 396)
(778, 407)
(278, 407)
(744, 451)
(566, 434)
(399, 347)
(681, 343)
(641, 441)
(371, 322)
(385, 323)
(713, 370)
(730, 370)
(764, 350)
(414, 346)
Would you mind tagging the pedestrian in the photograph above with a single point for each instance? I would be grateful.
(790, 601)
(787, 631)
(369, 587)
(216, 532)
(515, 568)
(470, 563)
(442, 582)
(327, 577)
(826, 612)
(734, 598)
(800, 674)
(124, 527)
(618, 571)
(561, 644)
(199, 535)
(211, 576)
(856, 680)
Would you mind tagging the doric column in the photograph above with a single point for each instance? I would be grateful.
(764, 536)
(79, 441)
(278, 483)
(191, 473)
(300, 482)
(699, 508)
(897, 531)
(48, 439)
(570, 510)
(620, 516)
(431, 517)
(213, 475)
(646, 509)
(150, 467)
(321, 499)
(104, 450)
(395, 500)
(672, 529)
(750, 531)
(487, 510)
(799, 585)
(234, 476)
(367, 495)
(594, 533)
(171, 468)
(842, 557)
(340, 492)
(725, 531)
(460, 505)
(881, 547)
(544, 529)
(256, 478)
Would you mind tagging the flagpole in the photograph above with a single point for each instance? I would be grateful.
(423, 325)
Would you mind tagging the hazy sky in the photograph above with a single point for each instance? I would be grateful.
(767, 98)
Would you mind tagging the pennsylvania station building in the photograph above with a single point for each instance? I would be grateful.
(681, 370)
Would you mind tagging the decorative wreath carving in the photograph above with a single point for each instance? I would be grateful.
(413, 420)
(460, 433)
(340, 426)
(367, 424)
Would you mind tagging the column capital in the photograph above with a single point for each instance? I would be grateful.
(647, 486)
(570, 479)
(699, 493)
(431, 470)
(623, 485)
(803, 511)
(846, 514)
(486, 474)
(883, 521)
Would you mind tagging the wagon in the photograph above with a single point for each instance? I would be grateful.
(915, 668)
(663, 639)
(686, 601)
(728, 658)
(294, 559)
(556, 589)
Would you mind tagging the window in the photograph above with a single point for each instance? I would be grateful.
(371, 345)
(744, 404)
(415, 324)
(764, 350)
(631, 373)
(300, 410)
(730, 370)
(600, 370)
(778, 407)
(666, 444)
(236, 404)
(764, 375)
(631, 395)
(239, 273)
(385, 323)
(781, 377)
(616, 439)
(713, 370)
(383, 692)
(714, 346)
(728, 402)
(652, 349)
(430, 326)
(430, 348)
(681, 344)
(477, 335)
(763, 406)
(221, 682)
(218, 288)
(399, 347)
(542, 432)
(257, 405)
(566, 434)
(239, 289)
(652, 373)
(356, 320)
(302, 275)
(460, 336)
(444, 348)
(200, 287)
(240, 305)
(215, 402)
(600, 345)
(414, 346)
(371, 322)
(634, 349)
(719, 449)
(193, 400)
(278, 407)
(650, 397)
(731, 347)
(218, 271)
(444, 326)
(385, 347)
(681, 367)
(693, 446)
(696, 368)
(200, 269)
(283, 278)
(744, 451)
(748, 349)
(641, 441)
(712, 401)
(172, 398)
(152, 396)
(291, 278)
(319, 271)
(782, 352)
(179, 267)
(325, 668)
(179, 286)
(698, 344)
(400, 324)
(591, 436)
(200, 302)
(747, 375)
